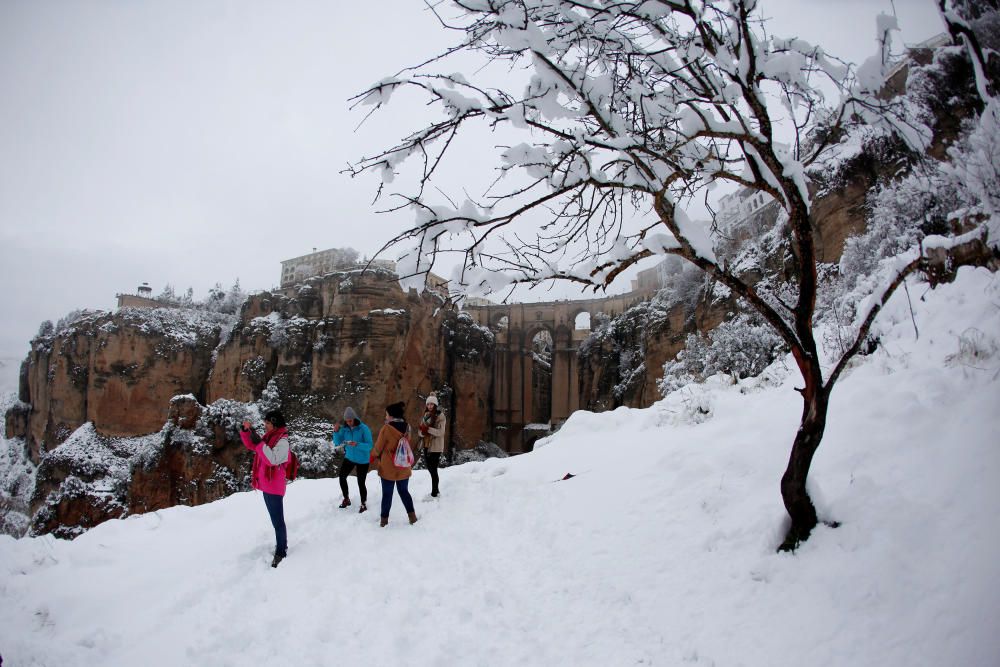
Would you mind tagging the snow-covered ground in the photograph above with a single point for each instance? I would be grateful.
(660, 551)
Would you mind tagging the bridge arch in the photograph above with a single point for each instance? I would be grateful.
(518, 415)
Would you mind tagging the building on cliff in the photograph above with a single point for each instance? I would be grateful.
(143, 298)
(321, 262)
(736, 208)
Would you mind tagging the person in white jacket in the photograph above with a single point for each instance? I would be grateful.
(432, 426)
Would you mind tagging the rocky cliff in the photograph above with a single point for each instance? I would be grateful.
(138, 410)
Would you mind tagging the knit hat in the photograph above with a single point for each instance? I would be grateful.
(350, 414)
(396, 410)
(431, 400)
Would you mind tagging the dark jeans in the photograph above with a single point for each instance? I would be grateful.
(433, 460)
(345, 469)
(404, 495)
(276, 509)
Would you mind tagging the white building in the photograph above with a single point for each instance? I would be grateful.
(736, 207)
(318, 263)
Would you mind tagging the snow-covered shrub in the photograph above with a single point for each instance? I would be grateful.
(976, 348)
(230, 414)
(975, 167)
(691, 404)
(17, 481)
(270, 398)
(482, 451)
(899, 214)
(741, 347)
(317, 455)
(224, 301)
(685, 286)
(467, 339)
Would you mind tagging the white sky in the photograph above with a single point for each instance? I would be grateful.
(199, 142)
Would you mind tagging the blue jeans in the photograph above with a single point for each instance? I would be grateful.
(276, 509)
(404, 495)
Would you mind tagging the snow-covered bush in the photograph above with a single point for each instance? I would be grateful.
(230, 414)
(742, 347)
(482, 451)
(691, 404)
(976, 349)
(218, 300)
(899, 214)
(17, 481)
(975, 167)
(270, 398)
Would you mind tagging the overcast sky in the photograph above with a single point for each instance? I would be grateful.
(194, 142)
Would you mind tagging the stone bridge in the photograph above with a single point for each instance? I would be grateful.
(536, 380)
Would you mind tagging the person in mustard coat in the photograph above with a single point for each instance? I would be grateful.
(383, 452)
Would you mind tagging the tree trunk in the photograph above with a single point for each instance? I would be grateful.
(793, 482)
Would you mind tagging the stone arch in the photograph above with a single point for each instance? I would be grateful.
(535, 328)
(540, 340)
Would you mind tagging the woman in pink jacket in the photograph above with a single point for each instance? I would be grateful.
(271, 454)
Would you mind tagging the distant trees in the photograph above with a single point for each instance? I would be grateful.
(225, 301)
(219, 300)
(629, 111)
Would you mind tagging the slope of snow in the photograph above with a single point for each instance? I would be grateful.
(660, 551)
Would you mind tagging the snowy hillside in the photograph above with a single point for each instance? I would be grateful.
(660, 551)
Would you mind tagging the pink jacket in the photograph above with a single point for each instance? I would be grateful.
(268, 462)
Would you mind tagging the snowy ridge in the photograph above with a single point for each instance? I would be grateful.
(660, 551)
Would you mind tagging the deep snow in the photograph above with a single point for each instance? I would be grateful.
(661, 551)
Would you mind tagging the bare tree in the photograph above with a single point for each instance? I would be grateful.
(632, 110)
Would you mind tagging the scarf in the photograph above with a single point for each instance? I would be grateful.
(429, 419)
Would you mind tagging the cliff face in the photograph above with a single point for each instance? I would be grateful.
(623, 359)
(117, 371)
(356, 341)
(138, 410)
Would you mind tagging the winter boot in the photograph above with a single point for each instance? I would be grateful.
(277, 559)
(383, 522)
(413, 517)
(345, 503)
(363, 508)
